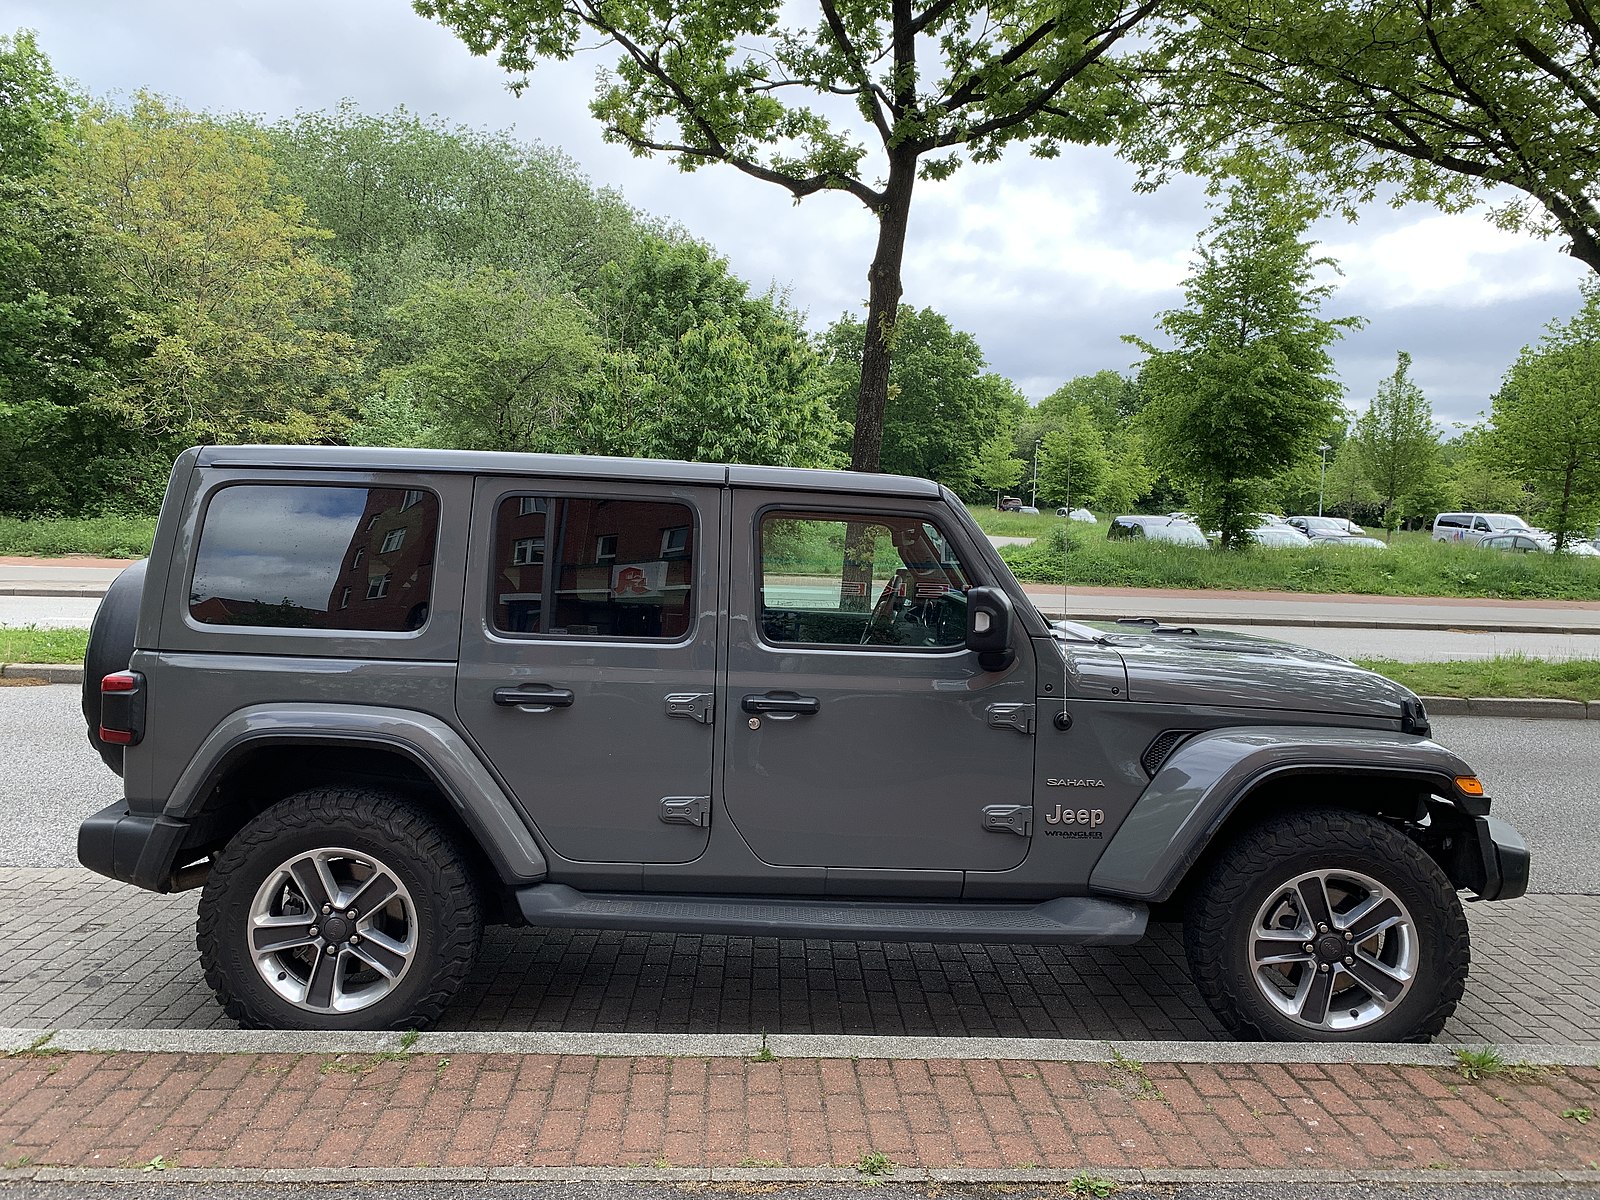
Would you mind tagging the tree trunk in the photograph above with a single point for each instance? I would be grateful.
(883, 309)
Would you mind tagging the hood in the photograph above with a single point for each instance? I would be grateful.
(1177, 664)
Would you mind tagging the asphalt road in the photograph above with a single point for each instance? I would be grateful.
(1544, 776)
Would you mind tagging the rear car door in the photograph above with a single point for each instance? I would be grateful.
(589, 657)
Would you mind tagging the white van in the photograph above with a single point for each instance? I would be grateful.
(1474, 527)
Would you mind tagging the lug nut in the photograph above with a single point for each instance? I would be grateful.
(1348, 936)
(1308, 947)
(354, 938)
(1323, 967)
(1349, 962)
(351, 914)
(327, 908)
(313, 931)
(1320, 928)
(335, 950)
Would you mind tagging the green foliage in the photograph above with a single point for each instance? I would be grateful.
(107, 536)
(943, 407)
(995, 468)
(1478, 478)
(1112, 399)
(1349, 491)
(1073, 465)
(1248, 386)
(1547, 421)
(1085, 1184)
(1413, 566)
(836, 99)
(1436, 103)
(1398, 448)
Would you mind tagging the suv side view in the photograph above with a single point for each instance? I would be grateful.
(370, 700)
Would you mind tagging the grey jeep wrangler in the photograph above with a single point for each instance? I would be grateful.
(373, 699)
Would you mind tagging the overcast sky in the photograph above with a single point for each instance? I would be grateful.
(1047, 264)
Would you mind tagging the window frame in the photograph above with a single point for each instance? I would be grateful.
(397, 536)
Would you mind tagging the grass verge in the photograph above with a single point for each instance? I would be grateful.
(29, 645)
(1412, 566)
(1512, 678)
(107, 537)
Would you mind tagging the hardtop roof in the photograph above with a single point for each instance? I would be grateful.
(566, 466)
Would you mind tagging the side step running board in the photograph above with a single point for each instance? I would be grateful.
(1080, 920)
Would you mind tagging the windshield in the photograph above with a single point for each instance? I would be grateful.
(1504, 521)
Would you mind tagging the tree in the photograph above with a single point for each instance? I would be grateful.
(1478, 475)
(1348, 490)
(943, 406)
(499, 362)
(1111, 398)
(995, 468)
(1547, 420)
(1073, 465)
(230, 316)
(1128, 476)
(1248, 385)
(798, 106)
(1396, 441)
(1426, 101)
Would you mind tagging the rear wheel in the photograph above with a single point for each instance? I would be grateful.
(338, 909)
(1327, 925)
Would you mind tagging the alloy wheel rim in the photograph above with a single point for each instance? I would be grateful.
(1333, 950)
(332, 930)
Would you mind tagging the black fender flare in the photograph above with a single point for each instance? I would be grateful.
(435, 747)
(1205, 780)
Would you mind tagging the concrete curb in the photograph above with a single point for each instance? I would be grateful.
(786, 1045)
(1441, 706)
(778, 1175)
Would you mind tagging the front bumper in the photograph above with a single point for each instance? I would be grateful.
(133, 847)
(1502, 859)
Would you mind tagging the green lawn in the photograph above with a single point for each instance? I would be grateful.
(1414, 565)
(108, 537)
(1512, 677)
(30, 645)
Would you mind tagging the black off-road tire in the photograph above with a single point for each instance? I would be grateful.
(416, 850)
(1222, 907)
(110, 649)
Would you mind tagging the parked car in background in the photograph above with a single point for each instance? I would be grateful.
(1010, 504)
(1536, 541)
(1078, 514)
(1326, 526)
(1157, 529)
(1277, 536)
(1028, 510)
(1475, 526)
(1345, 539)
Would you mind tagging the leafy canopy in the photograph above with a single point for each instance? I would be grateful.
(1398, 445)
(1247, 386)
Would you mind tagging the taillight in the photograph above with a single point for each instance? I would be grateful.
(122, 708)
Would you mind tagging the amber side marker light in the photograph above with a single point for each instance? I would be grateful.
(1469, 785)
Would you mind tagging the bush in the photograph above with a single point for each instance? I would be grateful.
(110, 536)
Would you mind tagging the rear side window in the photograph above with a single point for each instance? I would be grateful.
(1451, 521)
(588, 567)
(296, 556)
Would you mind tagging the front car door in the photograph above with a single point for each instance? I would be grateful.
(588, 661)
(860, 732)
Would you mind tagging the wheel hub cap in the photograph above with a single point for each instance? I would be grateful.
(1330, 947)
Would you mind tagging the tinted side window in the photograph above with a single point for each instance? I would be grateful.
(860, 581)
(591, 567)
(295, 556)
(1450, 521)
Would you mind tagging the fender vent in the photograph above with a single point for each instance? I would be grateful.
(1158, 751)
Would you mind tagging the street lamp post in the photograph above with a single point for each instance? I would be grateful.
(1036, 443)
(1323, 486)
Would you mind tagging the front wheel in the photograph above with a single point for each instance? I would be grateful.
(1327, 925)
(338, 909)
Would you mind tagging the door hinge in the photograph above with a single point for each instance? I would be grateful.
(686, 810)
(1009, 818)
(1011, 716)
(694, 705)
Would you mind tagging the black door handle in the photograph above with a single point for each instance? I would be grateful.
(790, 703)
(515, 697)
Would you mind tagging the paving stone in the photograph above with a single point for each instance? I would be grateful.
(79, 951)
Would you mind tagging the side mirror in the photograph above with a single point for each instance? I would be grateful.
(989, 619)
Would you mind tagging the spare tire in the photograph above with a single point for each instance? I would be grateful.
(111, 649)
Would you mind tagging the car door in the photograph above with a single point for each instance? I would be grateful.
(860, 732)
(588, 660)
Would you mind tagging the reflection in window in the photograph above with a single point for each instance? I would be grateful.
(294, 556)
(586, 567)
(860, 581)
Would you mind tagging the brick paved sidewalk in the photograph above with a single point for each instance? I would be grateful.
(424, 1110)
